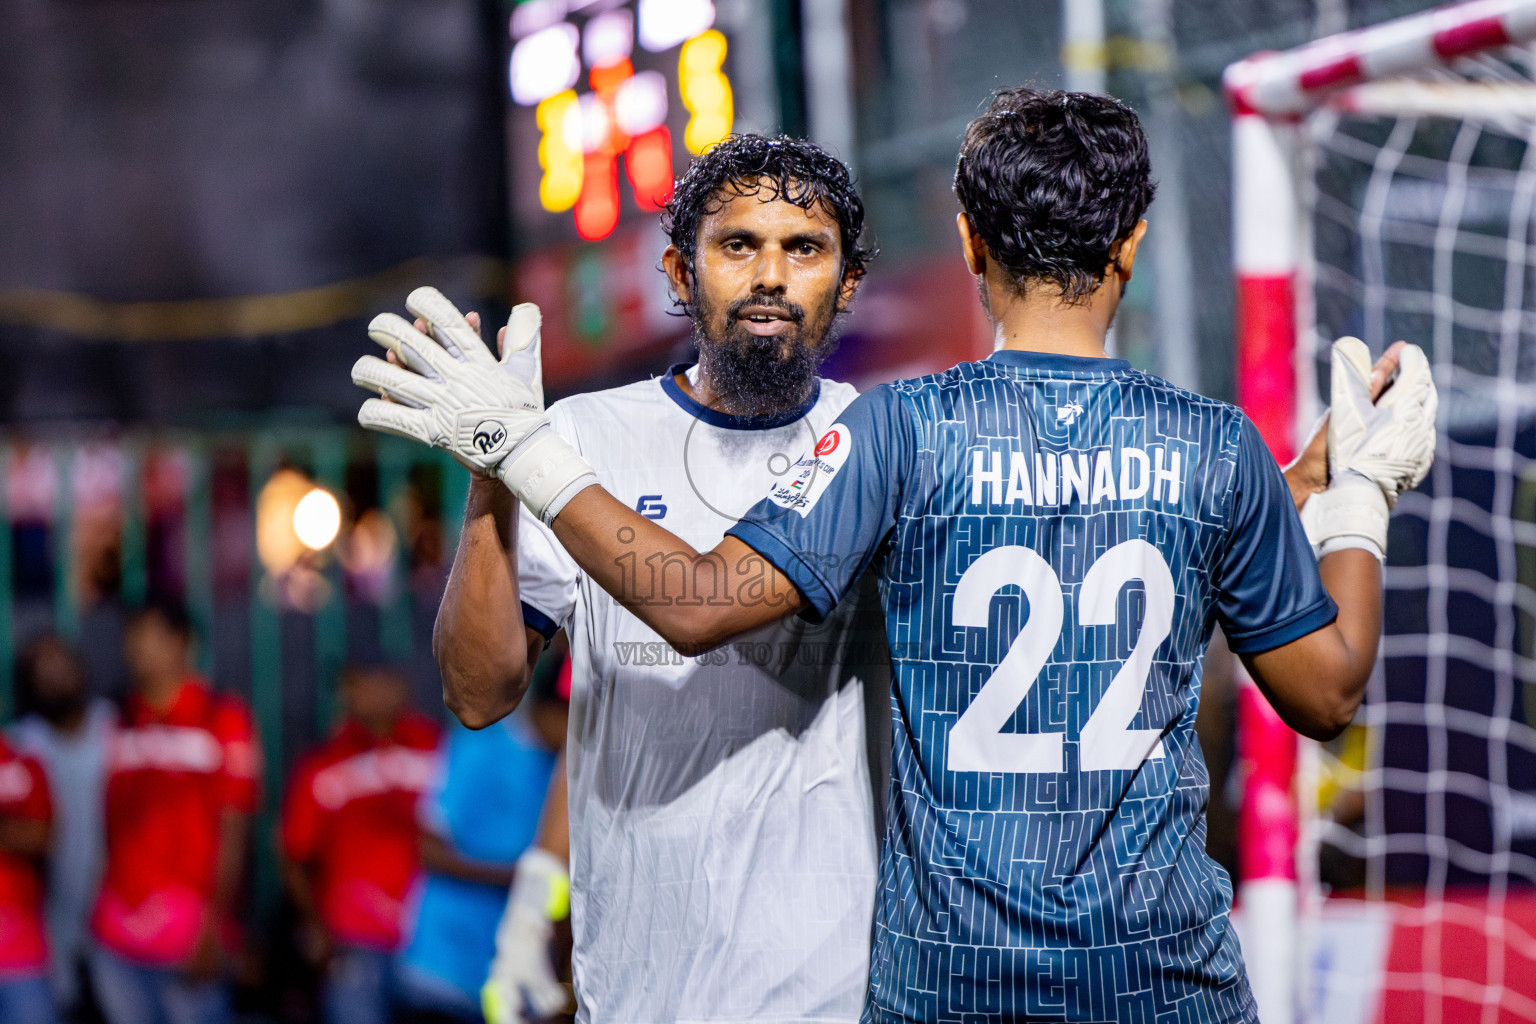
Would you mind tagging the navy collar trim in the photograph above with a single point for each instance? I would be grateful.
(716, 418)
(1051, 362)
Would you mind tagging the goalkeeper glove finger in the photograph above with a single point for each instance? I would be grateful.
(1399, 457)
(522, 985)
(465, 404)
(1391, 441)
(1388, 445)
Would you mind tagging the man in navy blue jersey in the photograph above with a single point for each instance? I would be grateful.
(1055, 535)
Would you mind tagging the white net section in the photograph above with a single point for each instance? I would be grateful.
(1420, 203)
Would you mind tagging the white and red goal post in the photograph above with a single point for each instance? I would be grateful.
(1270, 96)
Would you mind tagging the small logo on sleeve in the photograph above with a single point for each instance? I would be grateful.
(810, 476)
(650, 506)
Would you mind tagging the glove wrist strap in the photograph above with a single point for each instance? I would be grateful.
(545, 472)
(1351, 513)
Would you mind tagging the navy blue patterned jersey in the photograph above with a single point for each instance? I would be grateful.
(1054, 538)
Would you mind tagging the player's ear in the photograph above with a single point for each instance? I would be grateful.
(675, 265)
(1123, 256)
(971, 245)
(852, 278)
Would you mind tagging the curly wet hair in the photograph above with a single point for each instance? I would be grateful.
(1051, 181)
(794, 170)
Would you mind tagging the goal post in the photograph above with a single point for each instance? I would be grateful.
(1269, 94)
(1425, 66)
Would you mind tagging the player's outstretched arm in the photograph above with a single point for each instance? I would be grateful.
(696, 601)
(441, 386)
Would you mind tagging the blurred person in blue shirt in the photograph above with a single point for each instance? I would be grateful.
(480, 815)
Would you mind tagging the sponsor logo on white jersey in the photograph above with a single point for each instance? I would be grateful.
(811, 475)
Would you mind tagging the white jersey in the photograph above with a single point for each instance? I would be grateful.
(722, 834)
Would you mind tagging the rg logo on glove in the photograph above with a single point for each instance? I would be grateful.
(489, 436)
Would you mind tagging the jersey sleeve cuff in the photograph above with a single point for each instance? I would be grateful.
(1308, 620)
(818, 594)
(537, 620)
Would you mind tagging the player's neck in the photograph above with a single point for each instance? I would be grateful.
(1039, 321)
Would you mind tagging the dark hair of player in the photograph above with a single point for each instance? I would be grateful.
(1051, 181)
(793, 170)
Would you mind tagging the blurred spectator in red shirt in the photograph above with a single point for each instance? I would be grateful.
(25, 817)
(182, 771)
(349, 841)
(67, 730)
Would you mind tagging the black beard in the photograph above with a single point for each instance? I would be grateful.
(754, 375)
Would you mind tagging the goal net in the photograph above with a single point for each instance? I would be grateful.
(1420, 202)
(1415, 201)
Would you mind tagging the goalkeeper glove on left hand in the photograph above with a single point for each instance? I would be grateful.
(1376, 451)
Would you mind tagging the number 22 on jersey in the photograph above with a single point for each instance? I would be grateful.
(977, 742)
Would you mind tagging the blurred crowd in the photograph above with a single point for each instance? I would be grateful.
(128, 832)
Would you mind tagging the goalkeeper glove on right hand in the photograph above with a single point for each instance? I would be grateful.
(1376, 451)
(522, 986)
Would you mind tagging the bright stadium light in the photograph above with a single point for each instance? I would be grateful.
(545, 63)
(317, 519)
(560, 153)
(596, 123)
(706, 91)
(608, 39)
(666, 23)
(534, 15)
(641, 103)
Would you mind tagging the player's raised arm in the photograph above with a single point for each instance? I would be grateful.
(1316, 679)
(441, 386)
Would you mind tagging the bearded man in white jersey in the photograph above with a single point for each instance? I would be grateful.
(722, 836)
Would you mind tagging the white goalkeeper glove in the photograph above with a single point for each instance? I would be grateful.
(1376, 451)
(522, 986)
(451, 393)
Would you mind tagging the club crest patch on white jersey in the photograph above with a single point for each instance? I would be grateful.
(814, 471)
